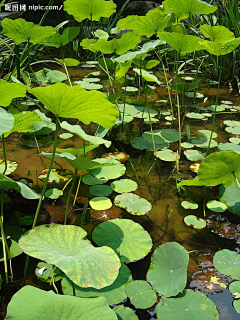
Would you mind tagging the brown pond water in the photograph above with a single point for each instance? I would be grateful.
(156, 183)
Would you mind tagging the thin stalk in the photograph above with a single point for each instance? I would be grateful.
(109, 77)
(69, 195)
(178, 106)
(4, 154)
(4, 242)
(84, 211)
(79, 184)
(124, 103)
(43, 192)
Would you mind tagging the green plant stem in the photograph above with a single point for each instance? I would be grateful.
(78, 186)
(43, 192)
(237, 182)
(69, 195)
(178, 105)
(4, 154)
(84, 211)
(109, 77)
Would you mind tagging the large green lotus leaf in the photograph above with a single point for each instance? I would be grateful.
(231, 197)
(216, 33)
(78, 151)
(222, 48)
(125, 237)
(168, 270)
(184, 8)
(120, 46)
(154, 22)
(79, 131)
(75, 102)
(147, 76)
(141, 294)
(32, 303)
(58, 40)
(89, 9)
(67, 248)
(125, 313)
(181, 42)
(133, 204)
(21, 31)
(26, 192)
(111, 172)
(10, 91)
(44, 126)
(24, 121)
(114, 293)
(6, 121)
(227, 262)
(122, 69)
(55, 76)
(193, 182)
(229, 147)
(148, 46)
(220, 168)
(187, 305)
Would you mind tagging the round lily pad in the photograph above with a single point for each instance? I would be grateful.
(53, 193)
(227, 102)
(91, 180)
(133, 203)
(44, 272)
(204, 142)
(25, 221)
(187, 305)
(194, 115)
(65, 135)
(229, 147)
(232, 123)
(233, 130)
(141, 294)
(100, 203)
(194, 155)
(109, 172)
(142, 144)
(11, 167)
(125, 237)
(125, 313)
(167, 155)
(234, 140)
(234, 288)
(189, 204)
(56, 175)
(216, 206)
(114, 294)
(227, 262)
(67, 247)
(218, 108)
(168, 270)
(130, 89)
(195, 222)
(100, 190)
(187, 145)
(124, 185)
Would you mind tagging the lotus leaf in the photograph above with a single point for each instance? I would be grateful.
(232, 123)
(6, 121)
(125, 313)
(75, 102)
(11, 167)
(44, 126)
(195, 222)
(124, 185)
(133, 203)
(189, 205)
(67, 248)
(233, 130)
(194, 94)
(234, 140)
(229, 147)
(120, 46)
(222, 48)
(147, 76)
(53, 193)
(91, 180)
(9, 91)
(65, 136)
(89, 9)
(44, 272)
(125, 237)
(194, 155)
(58, 40)
(168, 270)
(88, 164)
(114, 293)
(114, 171)
(187, 145)
(216, 206)
(181, 42)
(55, 76)
(187, 305)
(204, 143)
(167, 155)
(100, 203)
(32, 303)
(122, 69)
(220, 168)
(194, 115)
(217, 33)
(100, 190)
(12, 234)
(69, 62)
(184, 8)
(193, 182)
(56, 175)
(88, 85)
(25, 221)
(162, 136)
(231, 197)
(78, 151)
(207, 134)
(227, 262)
(22, 31)
(141, 144)
(234, 288)
(218, 108)
(141, 294)
(154, 22)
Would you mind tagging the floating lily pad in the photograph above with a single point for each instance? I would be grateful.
(31, 303)
(56, 175)
(162, 136)
(207, 134)
(218, 108)
(44, 272)
(204, 142)
(125, 313)
(189, 205)
(67, 247)
(168, 270)
(229, 147)
(65, 136)
(125, 237)
(227, 102)
(187, 145)
(216, 206)
(100, 190)
(108, 173)
(234, 288)
(114, 294)
(194, 155)
(130, 89)
(11, 167)
(91, 180)
(194, 94)
(88, 85)
(187, 305)
(195, 222)
(231, 197)
(227, 262)
(193, 115)
(142, 144)
(100, 203)
(53, 193)
(234, 140)
(25, 221)
(124, 185)
(167, 155)
(141, 294)
(133, 203)
(232, 123)
(233, 130)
